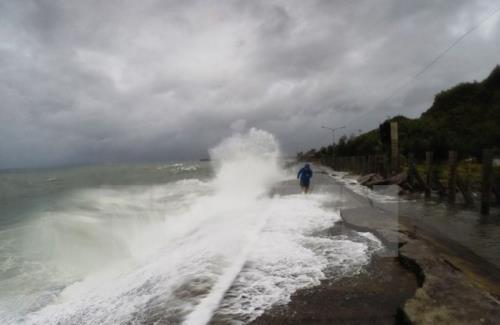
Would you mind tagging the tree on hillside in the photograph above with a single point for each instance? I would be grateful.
(465, 118)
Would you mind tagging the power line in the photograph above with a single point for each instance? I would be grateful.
(432, 62)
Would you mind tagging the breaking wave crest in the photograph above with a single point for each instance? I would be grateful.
(182, 252)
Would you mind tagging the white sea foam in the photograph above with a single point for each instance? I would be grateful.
(351, 182)
(185, 251)
(178, 167)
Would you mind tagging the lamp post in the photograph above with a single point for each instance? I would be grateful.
(333, 132)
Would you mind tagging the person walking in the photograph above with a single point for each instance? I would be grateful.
(304, 175)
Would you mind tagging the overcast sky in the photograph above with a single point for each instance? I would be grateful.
(112, 81)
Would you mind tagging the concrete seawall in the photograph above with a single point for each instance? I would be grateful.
(455, 285)
(421, 277)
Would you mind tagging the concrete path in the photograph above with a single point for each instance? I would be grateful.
(455, 285)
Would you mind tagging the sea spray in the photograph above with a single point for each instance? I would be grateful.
(247, 165)
(185, 251)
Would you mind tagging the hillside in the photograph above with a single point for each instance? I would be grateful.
(465, 117)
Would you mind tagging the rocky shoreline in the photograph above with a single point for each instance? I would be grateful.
(428, 279)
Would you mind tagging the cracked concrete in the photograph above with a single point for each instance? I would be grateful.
(455, 285)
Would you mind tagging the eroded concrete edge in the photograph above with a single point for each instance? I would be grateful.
(446, 294)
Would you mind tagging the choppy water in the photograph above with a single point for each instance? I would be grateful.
(167, 243)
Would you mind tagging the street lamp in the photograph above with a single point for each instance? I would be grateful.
(333, 132)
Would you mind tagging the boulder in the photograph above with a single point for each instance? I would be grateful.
(377, 180)
(365, 178)
(398, 179)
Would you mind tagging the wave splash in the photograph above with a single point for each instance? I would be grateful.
(190, 250)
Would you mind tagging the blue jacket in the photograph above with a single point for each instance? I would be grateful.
(305, 174)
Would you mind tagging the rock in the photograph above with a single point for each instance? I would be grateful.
(373, 179)
(399, 179)
(378, 180)
(366, 178)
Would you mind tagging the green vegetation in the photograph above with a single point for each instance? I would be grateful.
(465, 118)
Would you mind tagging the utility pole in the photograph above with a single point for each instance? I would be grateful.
(394, 148)
(333, 132)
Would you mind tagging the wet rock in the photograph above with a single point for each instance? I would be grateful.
(398, 179)
(366, 178)
(377, 180)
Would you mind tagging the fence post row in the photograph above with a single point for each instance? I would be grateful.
(384, 166)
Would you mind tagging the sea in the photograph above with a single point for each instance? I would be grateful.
(169, 243)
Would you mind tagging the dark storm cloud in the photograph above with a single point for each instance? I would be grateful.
(98, 81)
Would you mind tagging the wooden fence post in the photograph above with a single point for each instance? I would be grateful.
(394, 148)
(487, 173)
(452, 176)
(463, 186)
(380, 165)
(440, 187)
(411, 162)
(365, 165)
(371, 164)
(385, 166)
(428, 167)
(496, 191)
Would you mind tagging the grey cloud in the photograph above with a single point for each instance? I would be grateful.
(100, 81)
